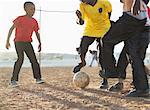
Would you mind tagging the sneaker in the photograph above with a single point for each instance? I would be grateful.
(13, 83)
(138, 93)
(104, 84)
(117, 87)
(78, 67)
(39, 81)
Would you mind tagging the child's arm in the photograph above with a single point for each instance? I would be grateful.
(39, 40)
(8, 37)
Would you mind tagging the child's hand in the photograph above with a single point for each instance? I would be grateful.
(39, 48)
(7, 45)
(78, 13)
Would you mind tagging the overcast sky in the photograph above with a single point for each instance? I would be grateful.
(59, 31)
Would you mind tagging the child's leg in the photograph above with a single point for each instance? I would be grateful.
(19, 46)
(116, 34)
(137, 49)
(85, 42)
(123, 62)
(104, 84)
(35, 65)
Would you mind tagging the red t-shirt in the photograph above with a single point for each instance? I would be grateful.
(24, 28)
(148, 9)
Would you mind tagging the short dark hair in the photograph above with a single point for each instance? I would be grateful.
(28, 2)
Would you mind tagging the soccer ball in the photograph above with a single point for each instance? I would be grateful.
(81, 80)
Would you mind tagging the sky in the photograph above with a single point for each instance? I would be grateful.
(59, 31)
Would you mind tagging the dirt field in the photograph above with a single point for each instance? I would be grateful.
(58, 93)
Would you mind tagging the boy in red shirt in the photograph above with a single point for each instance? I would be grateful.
(24, 27)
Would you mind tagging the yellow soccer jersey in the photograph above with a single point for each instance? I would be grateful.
(96, 18)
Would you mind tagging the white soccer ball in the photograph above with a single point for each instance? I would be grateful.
(81, 80)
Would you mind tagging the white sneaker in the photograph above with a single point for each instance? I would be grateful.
(14, 83)
(39, 81)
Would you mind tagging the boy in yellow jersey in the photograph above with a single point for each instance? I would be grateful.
(96, 14)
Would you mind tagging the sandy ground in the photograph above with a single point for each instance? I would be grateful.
(58, 93)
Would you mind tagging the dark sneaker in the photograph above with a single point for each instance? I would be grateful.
(104, 86)
(14, 83)
(78, 67)
(117, 87)
(107, 75)
(138, 93)
(39, 81)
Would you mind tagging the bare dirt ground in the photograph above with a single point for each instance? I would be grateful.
(58, 92)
